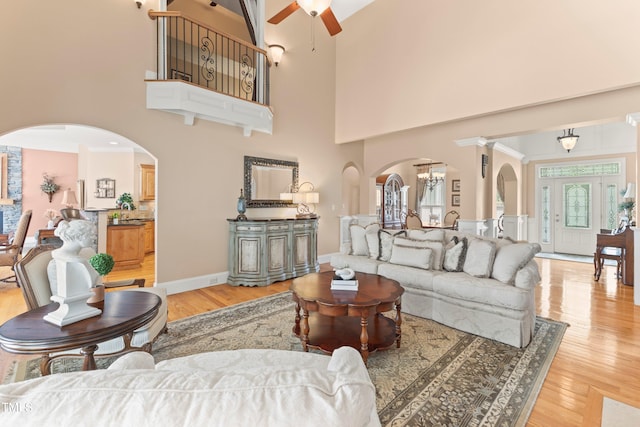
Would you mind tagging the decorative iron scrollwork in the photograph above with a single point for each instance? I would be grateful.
(208, 59)
(247, 73)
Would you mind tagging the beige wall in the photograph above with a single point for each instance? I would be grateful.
(87, 70)
(447, 60)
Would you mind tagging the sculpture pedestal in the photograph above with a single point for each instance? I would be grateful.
(72, 309)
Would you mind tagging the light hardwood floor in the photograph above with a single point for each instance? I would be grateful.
(600, 353)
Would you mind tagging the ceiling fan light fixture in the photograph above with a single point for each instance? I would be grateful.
(314, 7)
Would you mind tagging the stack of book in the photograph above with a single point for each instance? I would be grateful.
(339, 284)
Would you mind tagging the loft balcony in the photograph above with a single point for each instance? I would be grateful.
(206, 74)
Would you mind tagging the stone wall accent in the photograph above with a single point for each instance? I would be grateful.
(11, 213)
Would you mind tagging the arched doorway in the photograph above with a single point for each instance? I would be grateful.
(77, 157)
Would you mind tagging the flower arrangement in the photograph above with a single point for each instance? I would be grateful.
(50, 214)
(102, 263)
(48, 186)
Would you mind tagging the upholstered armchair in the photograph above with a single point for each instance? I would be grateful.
(11, 250)
(31, 273)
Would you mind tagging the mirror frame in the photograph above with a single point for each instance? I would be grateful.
(249, 162)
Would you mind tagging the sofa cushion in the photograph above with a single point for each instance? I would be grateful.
(485, 291)
(411, 256)
(380, 243)
(455, 254)
(436, 246)
(509, 259)
(409, 277)
(358, 238)
(338, 393)
(479, 258)
(357, 263)
(435, 235)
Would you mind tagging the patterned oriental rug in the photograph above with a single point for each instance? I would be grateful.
(439, 377)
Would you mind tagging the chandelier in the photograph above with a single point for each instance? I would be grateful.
(430, 178)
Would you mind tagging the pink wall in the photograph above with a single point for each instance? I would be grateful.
(63, 167)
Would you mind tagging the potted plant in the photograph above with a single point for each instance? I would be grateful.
(103, 264)
(114, 218)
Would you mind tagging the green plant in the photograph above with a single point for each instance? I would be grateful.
(125, 201)
(102, 263)
(115, 215)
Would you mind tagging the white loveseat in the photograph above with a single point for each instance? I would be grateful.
(479, 285)
(226, 388)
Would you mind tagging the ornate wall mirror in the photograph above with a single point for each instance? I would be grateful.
(266, 179)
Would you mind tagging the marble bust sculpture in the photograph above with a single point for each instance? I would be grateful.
(70, 275)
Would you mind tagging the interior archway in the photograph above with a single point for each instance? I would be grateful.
(75, 155)
(350, 190)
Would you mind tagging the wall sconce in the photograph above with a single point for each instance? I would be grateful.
(139, 3)
(69, 198)
(568, 139)
(306, 200)
(276, 51)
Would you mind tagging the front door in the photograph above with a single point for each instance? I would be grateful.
(575, 210)
(577, 215)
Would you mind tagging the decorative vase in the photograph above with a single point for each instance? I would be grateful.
(50, 224)
(242, 207)
(98, 295)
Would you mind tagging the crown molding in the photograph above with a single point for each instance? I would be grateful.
(468, 142)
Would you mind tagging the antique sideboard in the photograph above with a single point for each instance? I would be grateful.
(263, 251)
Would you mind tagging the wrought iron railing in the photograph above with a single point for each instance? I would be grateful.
(194, 52)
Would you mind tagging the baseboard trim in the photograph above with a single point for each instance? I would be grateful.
(207, 280)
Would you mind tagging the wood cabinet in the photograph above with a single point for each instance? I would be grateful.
(125, 243)
(149, 237)
(268, 250)
(147, 182)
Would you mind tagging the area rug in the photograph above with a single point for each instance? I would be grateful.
(439, 377)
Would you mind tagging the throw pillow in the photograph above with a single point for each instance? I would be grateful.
(358, 238)
(386, 242)
(510, 259)
(411, 256)
(436, 247)
(435, 235)
(455, 254)
(479, 259)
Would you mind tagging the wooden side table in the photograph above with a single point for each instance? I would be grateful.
(123, 312)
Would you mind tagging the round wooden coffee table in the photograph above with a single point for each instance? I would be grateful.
(122, 313)
(331, 319)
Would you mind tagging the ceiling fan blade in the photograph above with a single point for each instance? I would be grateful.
(278, 17)
(330, 21)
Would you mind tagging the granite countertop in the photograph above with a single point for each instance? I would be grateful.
(129, 222)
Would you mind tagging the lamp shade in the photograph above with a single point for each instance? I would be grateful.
(276, 51)
(314, 7)
(69, 198)
(631, 191)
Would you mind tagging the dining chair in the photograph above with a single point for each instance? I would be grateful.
(12, 250)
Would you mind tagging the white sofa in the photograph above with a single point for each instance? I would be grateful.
(479, 285)
(226, 388)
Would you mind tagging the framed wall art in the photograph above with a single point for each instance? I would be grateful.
(455, 200)
(455, 185)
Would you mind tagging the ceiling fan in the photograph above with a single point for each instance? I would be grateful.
(313, 8)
